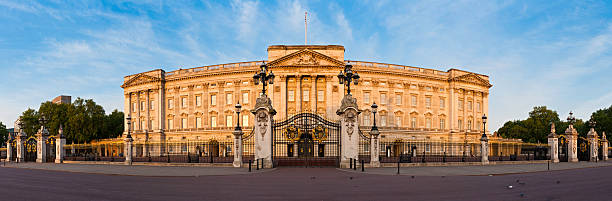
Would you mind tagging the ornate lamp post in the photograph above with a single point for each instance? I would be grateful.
(347, 76)
(484, 127)
(484, 142)
(128, 142)
(237, 138)
(129, 123)
(374, 152)
(264, 77)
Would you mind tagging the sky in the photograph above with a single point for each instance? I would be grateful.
(552, 53)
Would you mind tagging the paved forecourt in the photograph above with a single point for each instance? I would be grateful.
(482, 169)
(136, 170)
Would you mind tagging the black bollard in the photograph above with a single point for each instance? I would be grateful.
(249, 165)
(262, 163)
(257, 164)
(398, 166)
(355, 164)
(548, 164)
(351, 163)
(362, 168)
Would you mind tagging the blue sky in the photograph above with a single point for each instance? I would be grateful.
(553, 53)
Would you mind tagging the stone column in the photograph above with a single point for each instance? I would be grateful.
(20, 146)
(374, 150)
(283, 96)
(237, 148)
(41, 148)
(553, 145)
(604, 146)
(484, 149)
(59, 146)
(572, 146)
(9, 148)
(264, 112)
(128, 150)
(592, 137)
(298, 94)
(349, 114)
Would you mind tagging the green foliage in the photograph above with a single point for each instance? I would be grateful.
(82, 120)
(603, 119)
(3, 134)
(537, 126)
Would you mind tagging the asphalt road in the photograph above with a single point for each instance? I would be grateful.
(307, 184)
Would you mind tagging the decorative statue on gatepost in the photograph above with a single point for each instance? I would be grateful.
(592, 137)
(20, 143)
(604, 146)
(484, 142)
(349, 113)
(9, 147)
(59, 146)
(41, 137)
(264, 113)
(238, 139)
(128, 143)
(374, 133)
(572, 138)
(553, 144)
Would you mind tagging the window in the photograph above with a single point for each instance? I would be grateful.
(306, 95)
(428, 123)
(184, 102)
(428, 102)
(184, 123)
(383, 99)
(427, 148)
(170, 103)
(460, 122)
(245, 120)
(170, 124)
(478, 106)
(469, 125)
(291, 95)
(366, 97)
(383, 120)
(442, 126)
(398, 99)
(142, 125)
(228, 120)
(460, 104)
(152, 105)
(321, 95)
(198, 101)
(469, 105)
(213, 99)
(442, 103)
(198, 122)
(229, 99)
(398, 120)
(213, 121)
(414, 100)
(413, 122)
(134, 107)
(142, 106)
(245, 97)
(150, 125)
(366, 120)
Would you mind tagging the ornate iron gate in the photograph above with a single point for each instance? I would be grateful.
(30, 149)
(563, 151)
(50, 149)
(306, 139)
(584, 147)
(13, 145)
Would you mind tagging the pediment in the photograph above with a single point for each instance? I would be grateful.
(472, 78)
(306, 57)
(140, 79)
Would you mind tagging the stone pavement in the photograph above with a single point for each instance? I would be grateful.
(482, 169)
(135, 170)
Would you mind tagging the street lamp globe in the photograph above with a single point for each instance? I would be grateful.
(484, 118)
(374, 108)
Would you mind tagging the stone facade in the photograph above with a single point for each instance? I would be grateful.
(198, 103)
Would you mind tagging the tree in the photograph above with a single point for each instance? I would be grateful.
(113, 124)
(603, 119)
(536, 127)
(29, 120)
(3, 134)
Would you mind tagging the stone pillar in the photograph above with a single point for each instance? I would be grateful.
(128, 150)
(484, 149)
(237, 148)
(572, 146)
(592, 137)
(604, 146)
(20, 146)
(59, 146)
(9, 148)
(41, 147)
(553, 145)
(374, 150)
(264, 112)
(349, 114)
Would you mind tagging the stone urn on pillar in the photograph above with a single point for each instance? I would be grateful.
(9, 147)
(553, 144)
(604, 146)
(20, 144)
(593, 142)
(572, 138)
(59, 146)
